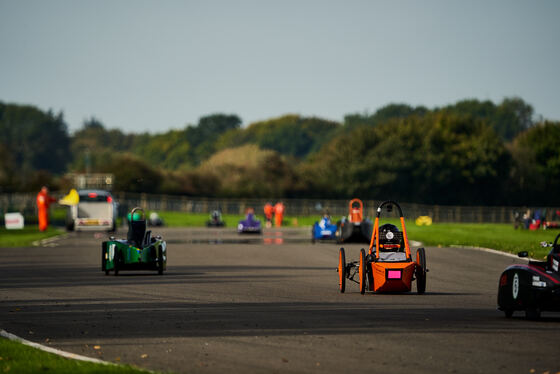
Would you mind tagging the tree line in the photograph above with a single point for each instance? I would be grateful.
(471, 152)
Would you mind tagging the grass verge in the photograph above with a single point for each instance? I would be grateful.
(26, 236)
(179, 219)
(18, 358)
(502, 237)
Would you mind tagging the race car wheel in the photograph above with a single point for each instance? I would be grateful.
(313, 235)
(160, 261)
(338, 234)
(370, 276)
(363, 271)
(508, 313)
(421, 270)
(117, 263)
(341, 270)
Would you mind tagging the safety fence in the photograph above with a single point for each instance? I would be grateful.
(25, 203)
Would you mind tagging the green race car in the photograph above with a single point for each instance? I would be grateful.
(140, 251)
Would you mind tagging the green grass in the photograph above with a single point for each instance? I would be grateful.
(502, 237)
(58, 213)
(26, 236)
(19, 358)
(179, 219)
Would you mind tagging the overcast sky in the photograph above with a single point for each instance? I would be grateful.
(155, 65)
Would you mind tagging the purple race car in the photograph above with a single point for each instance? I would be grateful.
(250, 225)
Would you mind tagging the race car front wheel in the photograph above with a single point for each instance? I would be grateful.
(363, 271)
(117, 263)
(421, 270)
(341, 270)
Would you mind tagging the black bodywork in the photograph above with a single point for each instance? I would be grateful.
(531, 288)
(354, 232)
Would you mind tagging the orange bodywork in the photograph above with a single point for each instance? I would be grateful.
(355, 213)
(391, 276)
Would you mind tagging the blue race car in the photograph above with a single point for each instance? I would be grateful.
(324, 229)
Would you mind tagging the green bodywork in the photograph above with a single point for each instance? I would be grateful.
(120, 255)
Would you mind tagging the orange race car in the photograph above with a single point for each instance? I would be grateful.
(388, 267)
(355, 228)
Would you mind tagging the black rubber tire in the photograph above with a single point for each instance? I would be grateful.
(370, 276)
(313, 235)
(508, 313)
(341, 270)
(160, 261)
(362, 271)
(116, 263)
(338, 234)
(421, 271)
(69, 225)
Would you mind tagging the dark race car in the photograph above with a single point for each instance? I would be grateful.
(532, 288)
(355, 228)
(215, 220)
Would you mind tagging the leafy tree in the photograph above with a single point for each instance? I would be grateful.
(535, 177)
(508, 119)
(438, 158)
(202, 138)
(132, 174)
(289, 135)
(512, 117)
(36, 140)
(383, 114)
(249, 171)
(7, 170)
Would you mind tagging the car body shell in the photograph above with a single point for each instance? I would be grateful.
(532, 287)
(95, 211)
(140, 251)
(388, 266)
(250, 225)
(355, 228)
(324, 230)
(122, 255)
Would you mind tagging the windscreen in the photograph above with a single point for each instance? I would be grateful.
(94, 197)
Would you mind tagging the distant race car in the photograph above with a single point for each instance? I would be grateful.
(250, 225)
(92, 210)
(140, 250)
(388, 267)
(215, 220)
(324, 229)
(355, 228)
(155, 220)
(531, 288)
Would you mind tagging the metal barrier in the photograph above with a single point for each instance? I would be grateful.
(25, 203)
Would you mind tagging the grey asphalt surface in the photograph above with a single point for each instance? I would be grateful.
(269, 304)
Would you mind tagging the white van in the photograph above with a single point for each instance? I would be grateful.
(96, 210)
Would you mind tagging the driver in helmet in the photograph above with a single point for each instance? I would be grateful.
(389, 238)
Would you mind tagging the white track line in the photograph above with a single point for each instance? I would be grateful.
(489, 250)
(58, 352)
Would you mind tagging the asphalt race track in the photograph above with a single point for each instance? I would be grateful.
(267, 304)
